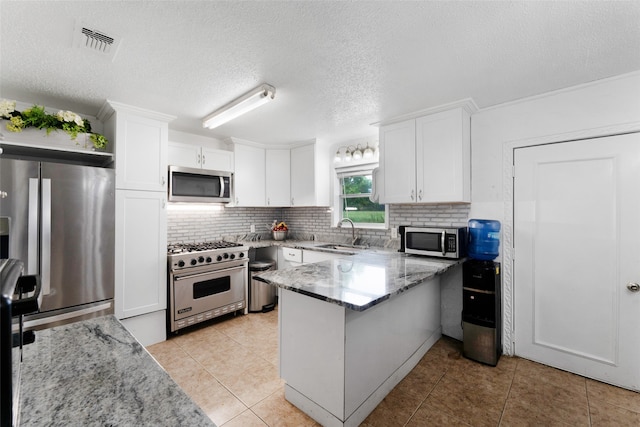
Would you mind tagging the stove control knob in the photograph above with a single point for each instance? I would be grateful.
(193, 261)
(219, 258)
(241, 255)
(180, 263)
(208, 259)
(201, 259)
(232, 256)
(226, 255)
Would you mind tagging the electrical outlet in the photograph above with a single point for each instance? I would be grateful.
(394, 233)
(253, 228)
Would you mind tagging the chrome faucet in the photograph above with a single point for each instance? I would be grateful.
(353, 228)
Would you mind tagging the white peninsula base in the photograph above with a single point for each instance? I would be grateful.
(339, 364)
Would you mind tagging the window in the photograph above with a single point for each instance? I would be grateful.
(355, 188)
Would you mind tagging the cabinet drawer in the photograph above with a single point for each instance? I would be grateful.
(292, 254)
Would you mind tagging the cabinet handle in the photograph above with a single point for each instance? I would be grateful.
(420, 195)
(198, 159)
(164, 180)
(268, 201)
(203, 159)
(412, 193)
(237, 201)
(292, 201)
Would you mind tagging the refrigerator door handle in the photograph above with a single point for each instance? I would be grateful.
(45, 273)
(32, 231)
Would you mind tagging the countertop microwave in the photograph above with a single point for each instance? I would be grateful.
(199, 185)
(435, 242)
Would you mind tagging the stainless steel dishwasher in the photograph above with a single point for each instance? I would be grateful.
(262, 296)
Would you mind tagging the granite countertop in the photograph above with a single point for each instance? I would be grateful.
(359, 281)
(94, 373)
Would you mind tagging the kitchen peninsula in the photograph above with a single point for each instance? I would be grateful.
(352, 327)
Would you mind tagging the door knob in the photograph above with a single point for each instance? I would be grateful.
(633, 287)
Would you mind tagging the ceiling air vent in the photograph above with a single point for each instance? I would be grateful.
(95, 40)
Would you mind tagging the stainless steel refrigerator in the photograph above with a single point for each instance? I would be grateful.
(59, 220)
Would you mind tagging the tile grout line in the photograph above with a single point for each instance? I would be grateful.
(425, 398)
(586, 390)
(504, 407)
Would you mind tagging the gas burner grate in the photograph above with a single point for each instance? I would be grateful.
(177, 248)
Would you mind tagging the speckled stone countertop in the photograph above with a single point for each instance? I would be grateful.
(94, 373)
(359, 281)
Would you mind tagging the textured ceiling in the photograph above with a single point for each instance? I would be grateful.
(337, 66)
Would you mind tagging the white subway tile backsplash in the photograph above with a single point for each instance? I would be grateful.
(194, 226)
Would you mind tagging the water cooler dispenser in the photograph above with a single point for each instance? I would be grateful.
(482, 297)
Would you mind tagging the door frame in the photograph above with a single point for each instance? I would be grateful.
(508, 251)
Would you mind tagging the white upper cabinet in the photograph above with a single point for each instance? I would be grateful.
(309, 176)
(141, 138)
(249, 176)
(278, 177)
(397, 154)
(427, 159)
(194, 156)
(186, 155)
(217, 160)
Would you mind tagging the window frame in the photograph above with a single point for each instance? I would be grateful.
(356, 170)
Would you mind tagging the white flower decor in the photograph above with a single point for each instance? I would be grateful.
(70, 116)
(6, 108)
(37, 117)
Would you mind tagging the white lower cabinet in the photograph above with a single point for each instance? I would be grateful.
(310, 256)
(141, 272)
(338, 364)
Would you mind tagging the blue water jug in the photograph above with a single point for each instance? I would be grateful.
(484, 239)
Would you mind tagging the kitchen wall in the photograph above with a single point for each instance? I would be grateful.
(232, 222)
(601, 104)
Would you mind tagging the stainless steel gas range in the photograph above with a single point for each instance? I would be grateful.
(206, 280)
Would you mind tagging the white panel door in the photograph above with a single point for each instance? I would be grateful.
(577, 257)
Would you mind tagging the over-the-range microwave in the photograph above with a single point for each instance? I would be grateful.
(199, 185)
(435, 242)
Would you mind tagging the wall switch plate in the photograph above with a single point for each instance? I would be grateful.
(253, 228)
(394, 233)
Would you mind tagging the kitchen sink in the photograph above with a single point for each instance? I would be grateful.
(340, 247)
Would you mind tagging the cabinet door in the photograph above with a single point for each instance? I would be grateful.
(249, 175)
(443, 157)
(303, 177)
(398, 161)
(217, 160)
(141, 253)
(184, 155)
(278, 177)
(141, 153)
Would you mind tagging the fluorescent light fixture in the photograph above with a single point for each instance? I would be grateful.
(247, 102)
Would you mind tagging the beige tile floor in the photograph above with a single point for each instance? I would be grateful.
(229, 367)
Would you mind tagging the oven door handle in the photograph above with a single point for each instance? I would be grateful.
(207, 273)
(30, 304)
